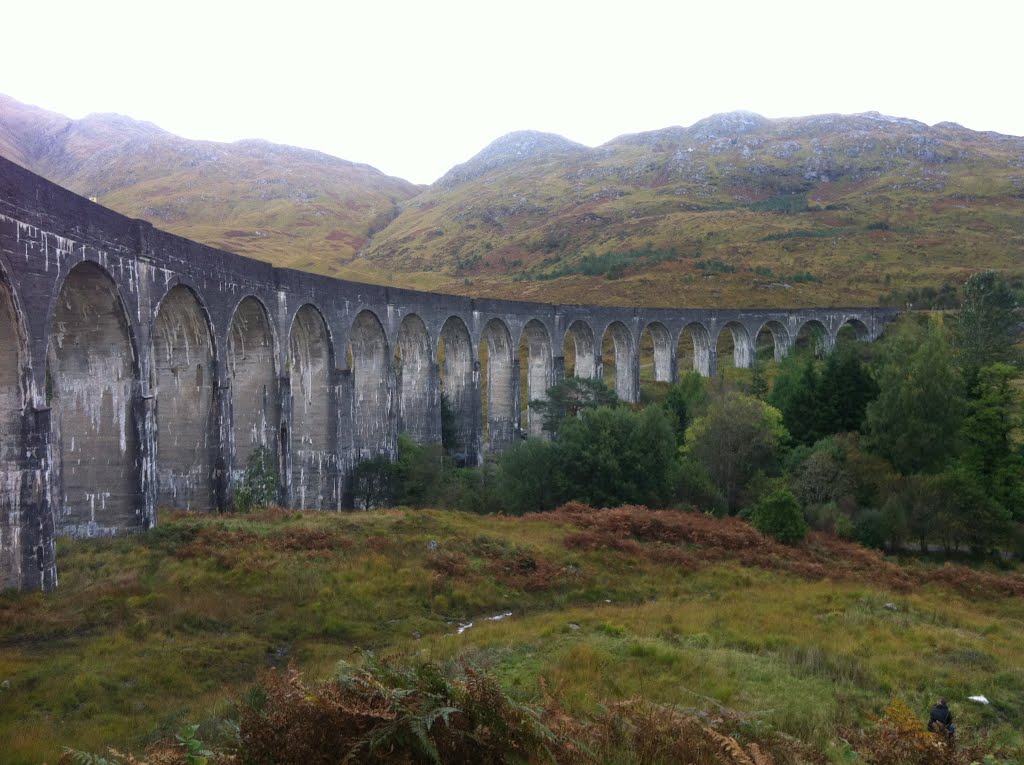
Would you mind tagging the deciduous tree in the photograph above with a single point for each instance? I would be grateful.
(738, 436)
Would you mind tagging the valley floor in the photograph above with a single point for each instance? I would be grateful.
(148, 633)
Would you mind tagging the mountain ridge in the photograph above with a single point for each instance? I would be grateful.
(735, 209)
(747, 210)
(252, 196)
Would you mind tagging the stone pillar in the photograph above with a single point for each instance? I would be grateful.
(433, 413)
(633, 393)
(475, 447)
(38, 554)
(224, 461)
(557, 370)
(284, 443)
(346, 434)
(145, 426)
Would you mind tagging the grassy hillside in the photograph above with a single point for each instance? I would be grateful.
(293, 207)
(150, 632)
(734, 210)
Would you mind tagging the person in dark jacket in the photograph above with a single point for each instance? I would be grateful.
(941, 719)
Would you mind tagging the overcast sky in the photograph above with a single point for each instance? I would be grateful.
(416, 87)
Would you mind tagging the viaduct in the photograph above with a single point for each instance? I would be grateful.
(139, 369)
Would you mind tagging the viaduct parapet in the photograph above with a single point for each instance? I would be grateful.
(140, 369)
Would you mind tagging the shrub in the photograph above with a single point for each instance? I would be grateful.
(259, 484)
(778, 515)
(527, 482)
(419, 472)
(871, 529)
(374, 483)
(380, 712)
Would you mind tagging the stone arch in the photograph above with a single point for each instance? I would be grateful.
(255, 394)
(313, 443)
(371, 400)
(580, 351)
(455, 353)
(742, 347)
(184, 380)
(852, 329)
(771, 342)
(693, 350)
(813, 336)
(13, 397)
(535, 358)
(91, 384)
(414, 370)
(617, 348)
(498, 368)
(656, 346)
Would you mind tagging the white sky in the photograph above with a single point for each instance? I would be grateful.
(416, 87)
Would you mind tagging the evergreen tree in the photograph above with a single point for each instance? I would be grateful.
(758, 381)
(569, 398)
(988, 324)
(682, 399)
(991, 453)
(915, 421)
(846, 388)
(798, 395)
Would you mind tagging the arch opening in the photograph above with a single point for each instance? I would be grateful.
(183, 372)
(91, 385)
(656, 353)
(733, 347)
(693, 350)
(313, 443)
(617, 361)
(579, 351)
(418, 413)
(852, 331)
(455, 356)
(535, 361)
(500, 390)
(371, 369)
(255, 394)
(771, 343)
(813, 338)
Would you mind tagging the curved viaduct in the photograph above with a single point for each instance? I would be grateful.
(140, 369)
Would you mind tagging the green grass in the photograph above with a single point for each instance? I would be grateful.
(149, 632)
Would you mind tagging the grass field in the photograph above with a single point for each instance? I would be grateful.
(150, 632)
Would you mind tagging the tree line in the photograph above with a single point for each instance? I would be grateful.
(916, 439)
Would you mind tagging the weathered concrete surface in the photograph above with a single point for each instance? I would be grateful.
(185, 376)
(315, 475)
(91, 389)
(141, 368)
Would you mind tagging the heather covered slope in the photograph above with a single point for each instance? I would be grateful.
(293, 207)
(150, 632)
(734, 210)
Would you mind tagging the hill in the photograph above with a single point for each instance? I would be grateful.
(733, 210)
(293, 207)
(793, 647)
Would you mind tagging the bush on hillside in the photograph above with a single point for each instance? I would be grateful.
(374, 483)
(778, 515)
